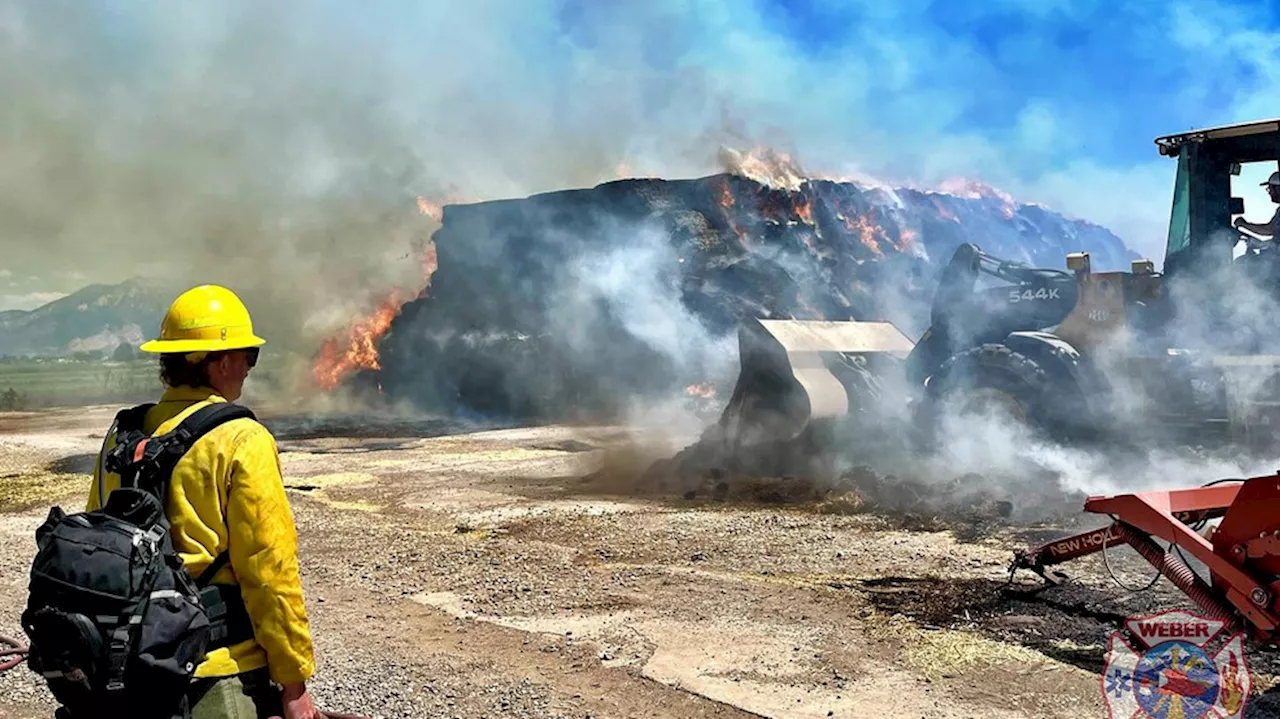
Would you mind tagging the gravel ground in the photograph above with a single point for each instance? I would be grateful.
(480, 575)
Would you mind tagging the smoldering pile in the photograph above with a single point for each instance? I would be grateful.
(580, 304)
(968, 501)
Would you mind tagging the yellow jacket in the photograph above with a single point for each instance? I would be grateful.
(228, 493)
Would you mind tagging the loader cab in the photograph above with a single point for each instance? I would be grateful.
(1216, 276)
(1201, 240)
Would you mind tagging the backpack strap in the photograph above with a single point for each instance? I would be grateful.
(214, 567)
(127, 426)
(147, 462)
(229, 621)
(131, 419)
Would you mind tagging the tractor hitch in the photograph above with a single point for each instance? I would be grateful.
(1242, 554)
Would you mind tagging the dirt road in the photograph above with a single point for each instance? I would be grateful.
(490, 574)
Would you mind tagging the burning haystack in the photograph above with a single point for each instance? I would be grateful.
(582, 303)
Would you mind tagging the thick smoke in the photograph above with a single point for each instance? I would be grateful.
(188, 146)
(279, 150)
(1191, 402)
(629, 284)
(1191, 398)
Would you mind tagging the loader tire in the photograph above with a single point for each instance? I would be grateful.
(985, 379)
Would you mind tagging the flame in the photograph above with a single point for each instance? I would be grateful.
(764, 165)
(431, 209)
(357, 347)
(866, 229)
(979, 190)
(907, 238)
(727, 200)
(726, 196)
(627, 169)
(803, 209)
(773, 205)
(340, 357)
(704, 390)
(942, 210)
(974, 190)
(430, 263)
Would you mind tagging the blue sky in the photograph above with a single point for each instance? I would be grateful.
(161, 124)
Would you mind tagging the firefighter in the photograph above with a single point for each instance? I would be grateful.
(227, 495)
(1268, 228)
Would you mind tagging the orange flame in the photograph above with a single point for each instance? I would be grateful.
(979, 190)
(727, 200)
(340, 357)
(803, 209)
(357, 347)
(764, 165)
(907, 239)
(628, 169)
(942, 210)
(974, 190)
(866, 229)
(726, 196)
(430, 209)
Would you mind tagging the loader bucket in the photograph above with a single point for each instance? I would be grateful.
(793, 372)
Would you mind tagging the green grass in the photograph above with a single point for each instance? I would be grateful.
(45, 383)
(41, 383)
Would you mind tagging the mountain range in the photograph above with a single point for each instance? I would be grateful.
(96, 318)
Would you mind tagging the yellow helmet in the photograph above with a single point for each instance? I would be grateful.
(207, 318)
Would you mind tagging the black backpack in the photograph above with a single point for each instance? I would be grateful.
(117, 624)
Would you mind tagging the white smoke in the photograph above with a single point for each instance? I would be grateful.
(634, 281)
(1212, 369)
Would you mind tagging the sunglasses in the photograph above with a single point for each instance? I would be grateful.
(251, 354)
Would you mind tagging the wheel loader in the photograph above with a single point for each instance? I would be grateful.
(1185, 354)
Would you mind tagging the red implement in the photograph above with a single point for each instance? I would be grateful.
(1243, 554)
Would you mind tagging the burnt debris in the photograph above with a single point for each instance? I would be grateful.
(577, 304)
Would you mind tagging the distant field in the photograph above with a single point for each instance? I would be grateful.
(49, 383)
(34, 384)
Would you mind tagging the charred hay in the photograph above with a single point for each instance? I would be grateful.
(583, 303)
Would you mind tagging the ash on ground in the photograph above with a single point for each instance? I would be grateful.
(972, 505)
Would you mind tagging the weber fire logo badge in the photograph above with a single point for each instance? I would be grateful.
(1174, 676)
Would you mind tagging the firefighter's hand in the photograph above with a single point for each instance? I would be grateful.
(298, 704)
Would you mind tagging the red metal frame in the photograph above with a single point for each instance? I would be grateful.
(1243, 557)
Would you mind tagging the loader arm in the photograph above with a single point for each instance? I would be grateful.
(964, 315)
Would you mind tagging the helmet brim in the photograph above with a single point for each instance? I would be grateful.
(184, 346)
